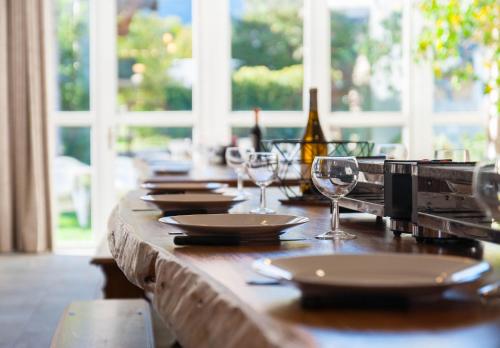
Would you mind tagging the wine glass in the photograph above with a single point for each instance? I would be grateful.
(486, 187)
(335, 177)
(262, 167)
(391, 151)
(454, 155)
(236, 158)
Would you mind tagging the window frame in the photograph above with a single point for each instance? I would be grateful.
(211, 93)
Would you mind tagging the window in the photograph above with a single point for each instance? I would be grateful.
(378, 135)
(366, 53)
(72, 183)
(131, 78)
(133, 140)
(147, 142)
(156, 74)
(451, 94)
(72, 165)
(72, 50)
(266, 45)
(271, 132)
(454, 97)
(155, 65)
(472, 138)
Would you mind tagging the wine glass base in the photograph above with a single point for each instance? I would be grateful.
(262, 211)
(337, 235)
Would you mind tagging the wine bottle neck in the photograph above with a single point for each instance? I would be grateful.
(313, 100)
(256, 117)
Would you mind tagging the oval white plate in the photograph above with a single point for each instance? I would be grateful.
(193, 200)
(395, 273)
(235, 224)
(182, 186)
(170, 167)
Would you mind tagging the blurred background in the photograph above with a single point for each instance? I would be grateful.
(131, 78)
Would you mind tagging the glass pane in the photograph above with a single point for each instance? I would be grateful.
(72, 184)
(270, 132)
(377, 135)
(366, 55)
(72, 49)
(472, 138)
(452, 95)
(155, 65)
(147, 143)
(266, 54)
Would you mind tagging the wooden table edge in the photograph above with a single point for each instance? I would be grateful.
(207, 322)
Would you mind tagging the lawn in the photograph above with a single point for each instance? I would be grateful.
(69, 230)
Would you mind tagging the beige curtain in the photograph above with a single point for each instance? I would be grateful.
(24, 167)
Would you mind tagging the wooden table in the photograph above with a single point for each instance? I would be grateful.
(201, 291)
(201, 173)
(206, 173)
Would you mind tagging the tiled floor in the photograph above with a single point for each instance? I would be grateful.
(34, 290)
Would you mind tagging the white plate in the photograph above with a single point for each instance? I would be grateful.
(170, 167)
(235, 224)
(193, 201)
(396, 273)
(163, 187)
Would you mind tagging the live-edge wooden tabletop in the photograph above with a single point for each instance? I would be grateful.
(145, 251)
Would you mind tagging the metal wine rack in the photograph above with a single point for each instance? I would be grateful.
(293, 172)
(432, 200)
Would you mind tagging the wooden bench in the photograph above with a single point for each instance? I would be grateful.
(105, 323)
(116, 285)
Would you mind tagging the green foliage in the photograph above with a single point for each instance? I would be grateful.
(384, 135)
(474, 143)
(453, 25)
(269, 34)
(153, 43)
(267, 89)
(179, 97)
(68, 229)
(271, 132)
(350, 39)
(134, 139)
(73, 49)
(75, 142)
(267, 46)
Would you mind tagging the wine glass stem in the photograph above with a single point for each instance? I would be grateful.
(240, 181)
(335, 215)
(262, 197)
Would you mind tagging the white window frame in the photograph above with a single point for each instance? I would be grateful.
(211, 116)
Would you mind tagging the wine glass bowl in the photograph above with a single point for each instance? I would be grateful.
(335, 177)
(333, 182)
(262, 168)
(486, 187)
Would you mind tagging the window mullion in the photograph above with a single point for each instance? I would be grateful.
(420, 97)
(212, 51)
(317, 54)
(103, 75)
